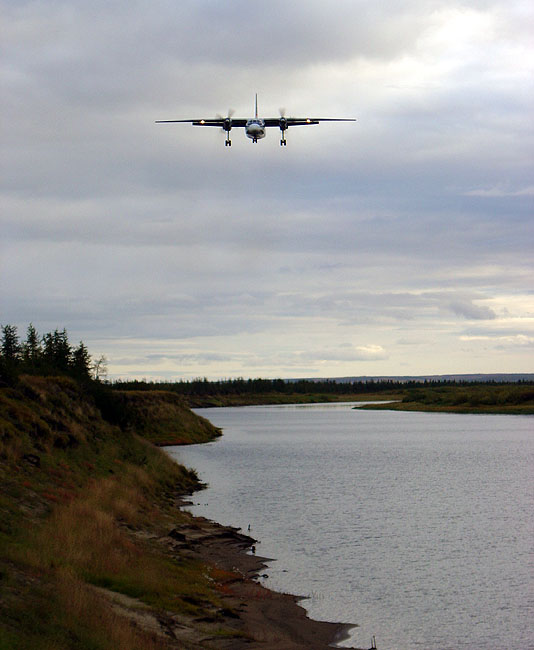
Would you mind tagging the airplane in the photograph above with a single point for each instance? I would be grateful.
(255, 126)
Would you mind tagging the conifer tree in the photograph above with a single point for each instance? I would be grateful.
(57, 350)
(9, 345)
(31, 349)
(81, 361)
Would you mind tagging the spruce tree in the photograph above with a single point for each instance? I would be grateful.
(31, 349)
(9, 345)
(81, 361)
(57, 350)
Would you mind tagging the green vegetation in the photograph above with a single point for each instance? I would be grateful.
(485, 398)
(84, 504)
(432, 395)
(161, 417)
(244, 392)
(47, 355)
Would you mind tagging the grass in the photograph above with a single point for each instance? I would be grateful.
(254, 399)
(83, 505)
(516, 399)
(65, 612)
(162, 417)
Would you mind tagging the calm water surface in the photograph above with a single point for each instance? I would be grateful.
(418, 527)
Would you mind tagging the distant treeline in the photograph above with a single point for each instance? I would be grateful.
(230, 387)
(480, 395)
(49, 354)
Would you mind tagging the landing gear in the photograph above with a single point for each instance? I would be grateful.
(283, 141)
(255, 140)
(227, 127)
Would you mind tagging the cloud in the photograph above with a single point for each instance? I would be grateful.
(347, 353)
(471, 311)
(259, 257)
(503, 341)
(500, 191)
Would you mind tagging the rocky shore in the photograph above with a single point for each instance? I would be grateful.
(260, 617)
(96, 549)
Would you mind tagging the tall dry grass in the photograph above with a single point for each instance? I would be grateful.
(83, 504)
(89, 616)
(90, 537)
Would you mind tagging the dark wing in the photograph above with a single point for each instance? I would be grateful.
(217, 121)
(302, 121)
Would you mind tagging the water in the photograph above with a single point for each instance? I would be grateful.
(416, 526)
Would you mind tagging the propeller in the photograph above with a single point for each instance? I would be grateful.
(283, 119)
(227, 120)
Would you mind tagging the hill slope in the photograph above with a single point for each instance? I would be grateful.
(84, 507)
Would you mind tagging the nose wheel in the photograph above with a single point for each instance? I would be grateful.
(283, 141)
(228, 142)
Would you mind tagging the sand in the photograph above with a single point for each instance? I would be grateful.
(267, 619)
(249, 616)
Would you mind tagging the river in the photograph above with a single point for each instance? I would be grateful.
(418, 527)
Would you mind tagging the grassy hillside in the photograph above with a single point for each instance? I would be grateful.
(159, 416)
(84, 506)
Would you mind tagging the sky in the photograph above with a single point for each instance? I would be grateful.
(398, 244)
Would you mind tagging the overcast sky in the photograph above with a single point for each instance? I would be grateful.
(398, 244)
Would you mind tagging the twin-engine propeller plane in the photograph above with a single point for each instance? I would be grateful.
(255, 126)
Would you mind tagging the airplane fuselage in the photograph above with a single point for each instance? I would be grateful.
(255, 129)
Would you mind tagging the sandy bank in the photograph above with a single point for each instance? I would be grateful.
(267, 619)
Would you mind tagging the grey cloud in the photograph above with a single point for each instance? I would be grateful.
(370, 352)
(500, 190)
(471, 311)
(188, 359)
(116, 227)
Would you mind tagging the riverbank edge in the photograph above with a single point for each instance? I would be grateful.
(270, 619)
(94, 542)
(416, 407)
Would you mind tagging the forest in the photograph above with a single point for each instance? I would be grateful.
(237, 392)
(50, 354)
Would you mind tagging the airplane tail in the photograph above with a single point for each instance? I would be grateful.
(256, 105)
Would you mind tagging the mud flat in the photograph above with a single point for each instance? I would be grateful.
(266, 619)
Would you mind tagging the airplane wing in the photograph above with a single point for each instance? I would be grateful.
(302, 121)
(217, 121)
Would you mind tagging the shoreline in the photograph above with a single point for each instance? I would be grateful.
(97, 549)
(268, 619)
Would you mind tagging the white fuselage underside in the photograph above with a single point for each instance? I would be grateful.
(255, 129)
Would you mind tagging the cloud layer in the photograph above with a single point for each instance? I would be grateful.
(399, 244)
